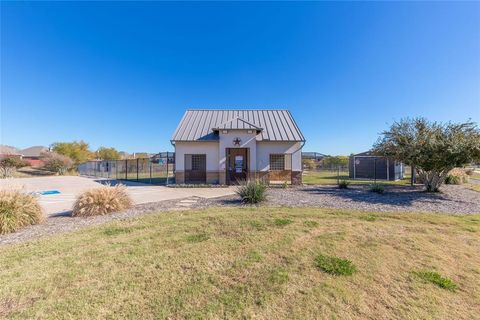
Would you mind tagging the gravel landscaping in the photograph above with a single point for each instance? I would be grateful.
(453, 199)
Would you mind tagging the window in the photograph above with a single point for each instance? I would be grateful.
(277, 162)
(198, 162)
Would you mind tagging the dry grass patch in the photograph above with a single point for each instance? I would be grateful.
(145, 268)
(18, 209)
(102, 200)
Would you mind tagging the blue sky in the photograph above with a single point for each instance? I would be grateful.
(122, 74)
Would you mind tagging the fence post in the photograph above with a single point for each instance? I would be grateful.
(375, 170)
(137, 168)
(126, 169)
(338, 174)
(167, 170)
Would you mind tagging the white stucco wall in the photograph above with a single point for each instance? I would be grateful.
(259, 151)
(265, 148)
(210, 148)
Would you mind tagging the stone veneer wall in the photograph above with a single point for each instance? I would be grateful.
(219, 177)
(296, 177)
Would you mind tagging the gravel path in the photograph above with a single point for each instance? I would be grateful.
(456, 200)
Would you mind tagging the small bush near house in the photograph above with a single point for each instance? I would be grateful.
(343, 184)
(456, 176)
(252, 192)
(18, 209)
(102, 200)
(377, 188)
(335, 265)
(437, 279)
(56, 162)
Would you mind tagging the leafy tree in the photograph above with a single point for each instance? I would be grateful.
(432, 148)
(56, 162)
(108, 153)
(141, 155)
(309, 164)
(335, 161)
(78, 151)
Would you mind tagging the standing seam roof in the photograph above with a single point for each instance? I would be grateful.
(275, 125)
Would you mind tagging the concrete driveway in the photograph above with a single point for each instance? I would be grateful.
(71, 186)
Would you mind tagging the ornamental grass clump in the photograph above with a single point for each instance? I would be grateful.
(377, 188)
(252, 192)
(102, 200)
(343, 184)
(456, 176)
(18, 209)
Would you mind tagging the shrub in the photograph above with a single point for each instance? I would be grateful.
(377, 188)
(101, 201)
(252, 192)
(335, 266)
(343, 184)
(9, 164)
(285, 185)
(456, 176)
(56, 162)
(18, 209)
(437, 279)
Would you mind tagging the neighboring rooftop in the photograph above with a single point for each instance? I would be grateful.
(272, 125)
(34, 151)
(4, 149)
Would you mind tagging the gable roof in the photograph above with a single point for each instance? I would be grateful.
(34, 151)
(272, 125)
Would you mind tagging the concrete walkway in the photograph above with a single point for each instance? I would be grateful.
(71, 186)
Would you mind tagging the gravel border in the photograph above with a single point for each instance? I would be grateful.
(454, 200)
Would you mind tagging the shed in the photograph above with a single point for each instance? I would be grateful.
(366, 165)
(230, 146)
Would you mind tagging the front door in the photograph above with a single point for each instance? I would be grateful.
(237, 165)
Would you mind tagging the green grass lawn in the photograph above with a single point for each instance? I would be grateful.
(330, 178)
(262, 263)
(475, 187)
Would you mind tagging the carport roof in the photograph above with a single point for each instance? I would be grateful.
(272, 125)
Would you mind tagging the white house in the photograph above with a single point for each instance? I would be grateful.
(228, 146)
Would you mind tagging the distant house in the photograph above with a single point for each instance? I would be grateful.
(228, 146)
(366, 165)
(33, 155)
(9, 151)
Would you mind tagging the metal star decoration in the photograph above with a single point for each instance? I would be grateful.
(237, 141)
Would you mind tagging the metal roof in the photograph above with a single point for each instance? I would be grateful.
(202, 125)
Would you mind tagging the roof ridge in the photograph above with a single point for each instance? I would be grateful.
(241, 119)
(257, 109)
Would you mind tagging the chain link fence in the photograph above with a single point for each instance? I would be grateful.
(158, 169)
